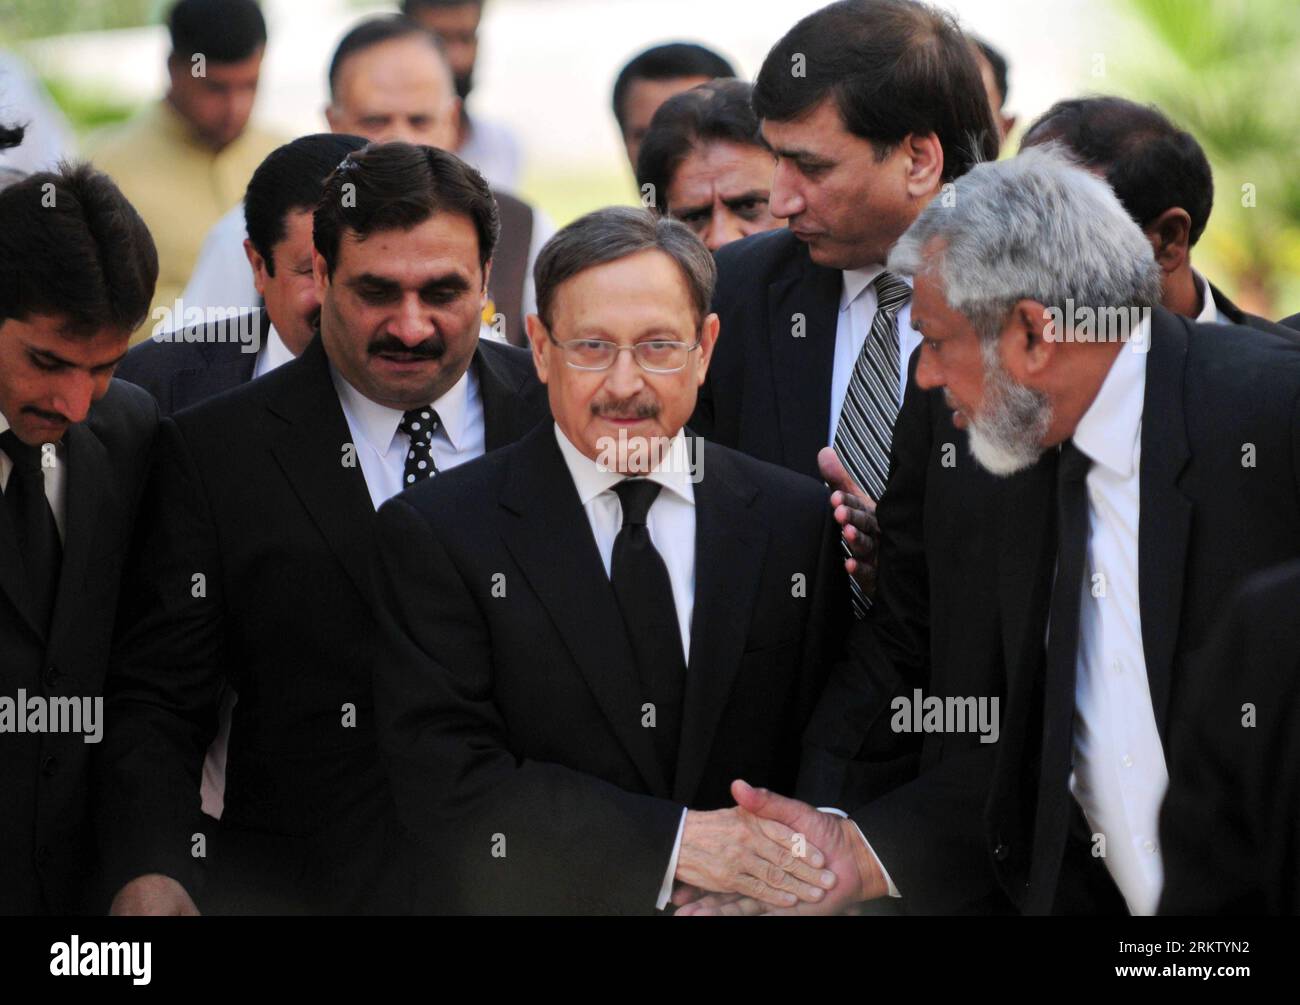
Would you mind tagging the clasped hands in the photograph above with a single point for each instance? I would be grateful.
(772, 855)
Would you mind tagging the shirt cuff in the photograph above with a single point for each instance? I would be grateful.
(893, 890)
(666, 891)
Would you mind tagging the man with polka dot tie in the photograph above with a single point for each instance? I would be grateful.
(267, 494)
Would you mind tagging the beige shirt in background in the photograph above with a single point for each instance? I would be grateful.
(180, 186)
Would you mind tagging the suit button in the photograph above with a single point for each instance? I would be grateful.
(1001, 852)
(49, 766)
(52, 676)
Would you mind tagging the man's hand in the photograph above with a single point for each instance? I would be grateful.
(855, 512)
(156, 895)
(858, 874)
(734, 851)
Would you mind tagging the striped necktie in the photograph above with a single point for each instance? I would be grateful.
(866, 423)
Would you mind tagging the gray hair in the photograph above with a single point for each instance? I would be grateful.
(1036, 227)
(607, 235)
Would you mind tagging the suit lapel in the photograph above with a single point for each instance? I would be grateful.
(506, 416)
(802, 366)
(730, 545)
(553, 544)
(89, 492)
(1025, 569)
(309, 448)
(1165, 515)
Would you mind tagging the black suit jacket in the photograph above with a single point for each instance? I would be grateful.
(1287, 329)
(46, 842)
(251, 491)
(195, 363)
(1207, 520)
(768, 390)
(1230, 826)
(506, 686)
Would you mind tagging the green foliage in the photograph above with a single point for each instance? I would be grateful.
(1229, 72)
(28, 19)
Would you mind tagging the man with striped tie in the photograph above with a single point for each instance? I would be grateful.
(871, 107)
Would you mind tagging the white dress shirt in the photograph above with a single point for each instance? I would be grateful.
(56, 485)
(1210, 313)
(671, 524)
(1119, 775)
(274, 353)
(853, 324)
(382, 447)
(492, 149)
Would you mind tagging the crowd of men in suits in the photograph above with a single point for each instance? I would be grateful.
(384, 614)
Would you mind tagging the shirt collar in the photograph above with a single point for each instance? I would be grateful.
(378, 423)
(1209, 309)
(1109, 429)
(591, 479)
(857, 280)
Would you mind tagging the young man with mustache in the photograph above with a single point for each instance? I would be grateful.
(252, 566)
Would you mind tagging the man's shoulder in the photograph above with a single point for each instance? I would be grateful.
(761, 257)
(125, 416)
(512, 359)
(456, 499)
(775, 485)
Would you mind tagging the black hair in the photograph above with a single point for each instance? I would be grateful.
(224, 31)
(398, 186)
(291, 179)
(671, 61)
(73, 247)
(717, 111)
(998, 63)
(1150, 163)
(893, 68)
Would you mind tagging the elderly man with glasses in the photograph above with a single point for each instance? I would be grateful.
(592, 637)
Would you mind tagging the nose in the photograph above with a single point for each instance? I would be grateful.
(625, 378)
(410, 325)
(928, 372)
(722, 230)
(76, 393)
(785, 199)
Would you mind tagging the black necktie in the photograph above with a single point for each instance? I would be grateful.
(645, 597)
(419, 424)
(1063, 632)
(33, 522)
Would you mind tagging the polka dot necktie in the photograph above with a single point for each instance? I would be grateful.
(419, 424)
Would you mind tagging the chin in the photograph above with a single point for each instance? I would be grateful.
(1000, 457)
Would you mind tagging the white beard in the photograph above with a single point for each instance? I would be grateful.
(1008, 434)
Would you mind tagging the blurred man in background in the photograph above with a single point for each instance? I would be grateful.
(185, 160)
(390, 80)
(704, 162)
(25, 102)
(995, 74)
(1163, 178)
(651, 78)
(487, 145)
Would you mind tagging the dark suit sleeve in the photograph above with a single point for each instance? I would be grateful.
(850, 754)
(164, 679)
(508, 834)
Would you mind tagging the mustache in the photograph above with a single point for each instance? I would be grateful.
(389, 345)
(641, 407)
(40, 413)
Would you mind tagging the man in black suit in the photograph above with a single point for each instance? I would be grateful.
(185, 363)
(1163, 179)
(1175, 478)
(1231, 821)
(252, 567)
(578, 663)
(879, 117)
(77, 272)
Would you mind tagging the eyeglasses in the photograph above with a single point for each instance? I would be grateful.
(653, 355)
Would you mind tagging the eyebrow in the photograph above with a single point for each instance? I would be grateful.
(446, 281)
(54, 358)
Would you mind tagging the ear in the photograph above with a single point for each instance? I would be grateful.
(540, 341)
(258, 264)
(1029, 340)
(708, 339)
(924, 164)
(320, 273)
(332, 117)
(1170, 235)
